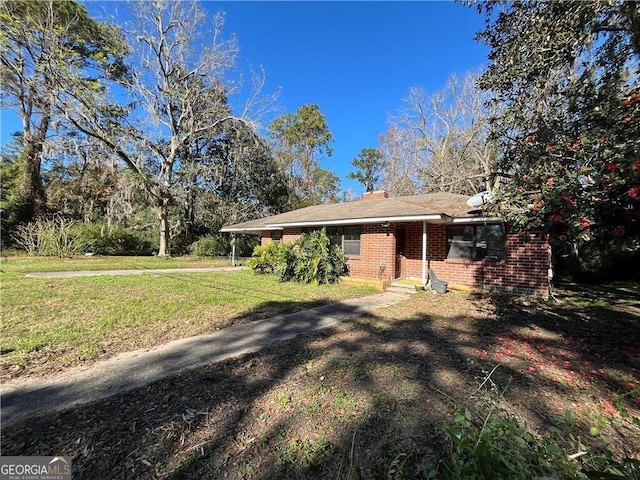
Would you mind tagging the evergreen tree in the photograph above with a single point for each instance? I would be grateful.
(369, 164)
(566, 75)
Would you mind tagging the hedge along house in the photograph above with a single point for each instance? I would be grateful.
(403, 237)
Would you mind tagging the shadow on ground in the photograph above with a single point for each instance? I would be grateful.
(365, 399)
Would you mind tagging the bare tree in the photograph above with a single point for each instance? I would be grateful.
(401, 160)
(179, 96)
(440, 142)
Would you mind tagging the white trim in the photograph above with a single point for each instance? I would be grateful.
(362, 221)
(477, 220)
(247, 230)
(434, 218)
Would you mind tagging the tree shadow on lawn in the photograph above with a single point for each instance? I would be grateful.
(589, 350)
(616, 292)
(365, 397)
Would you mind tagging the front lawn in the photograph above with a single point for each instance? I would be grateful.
(29, 263)
(52, 324)
(370, 398)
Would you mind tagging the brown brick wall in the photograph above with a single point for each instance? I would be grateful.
(377, 248)
(288, 235)
(524, 271)
(291, 234)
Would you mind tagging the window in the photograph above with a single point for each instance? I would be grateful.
(346, 237)
(476, 242)
(276, 236)
(350, 240)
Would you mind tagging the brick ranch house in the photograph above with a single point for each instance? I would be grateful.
(387, 238)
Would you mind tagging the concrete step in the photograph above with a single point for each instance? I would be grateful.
(402, 287)
(402, 290)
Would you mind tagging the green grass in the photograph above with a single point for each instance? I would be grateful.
(54, 323)
(30, 264)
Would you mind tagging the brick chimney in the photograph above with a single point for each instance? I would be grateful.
(376, 194)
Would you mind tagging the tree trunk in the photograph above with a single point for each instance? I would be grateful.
(31, 188)
(162, 211)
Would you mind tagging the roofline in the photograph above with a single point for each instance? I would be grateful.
(477, 220)
(362, 221)
(246, 230)
(434, 218)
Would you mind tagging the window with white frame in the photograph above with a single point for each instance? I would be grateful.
(476, 242)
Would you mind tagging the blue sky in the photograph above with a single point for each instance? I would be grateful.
(355, 60)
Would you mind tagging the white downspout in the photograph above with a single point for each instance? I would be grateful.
(424, 253)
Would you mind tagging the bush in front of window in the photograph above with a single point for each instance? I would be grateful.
(310, 259)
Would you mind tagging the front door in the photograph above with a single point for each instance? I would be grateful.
(400, 250)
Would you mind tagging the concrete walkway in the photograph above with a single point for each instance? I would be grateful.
(118, 273)
(24, 397)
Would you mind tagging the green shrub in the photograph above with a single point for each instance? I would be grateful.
(208, 247)
(117, 240)
(497, 446)
(596, 262)
(245, 244)
(217, 245)
(318, 261)
(266, 259)
(14, 211)
(310, 259)
(488, 443)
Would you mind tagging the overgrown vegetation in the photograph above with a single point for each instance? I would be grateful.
(488, 442)
(310, 259)
(56, 237)
(64, 238)
(220, 244)
(208, 247)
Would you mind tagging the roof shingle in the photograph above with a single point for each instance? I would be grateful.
(363, 211)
